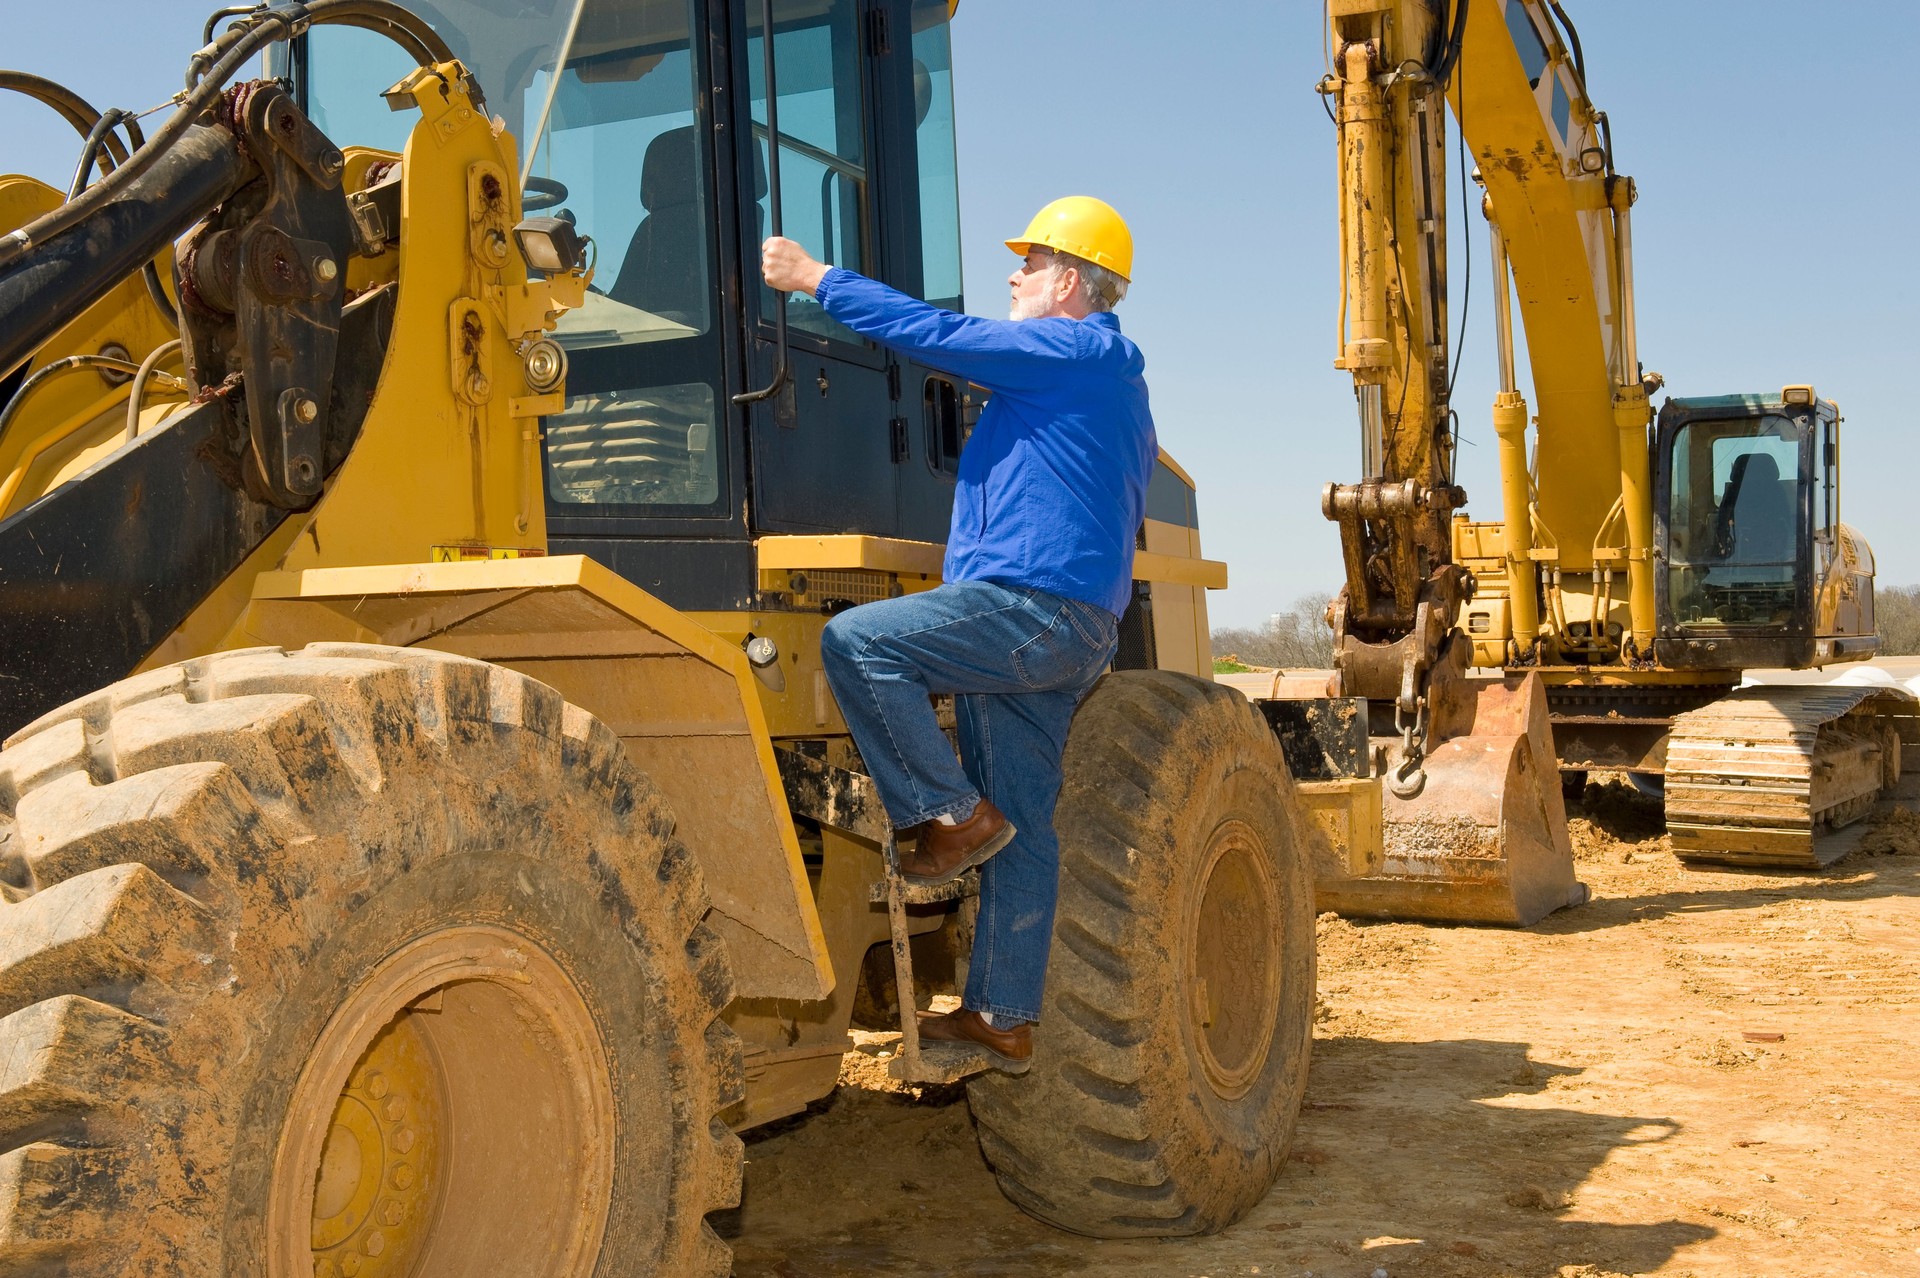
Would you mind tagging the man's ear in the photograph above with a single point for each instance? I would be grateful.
(1066, 283)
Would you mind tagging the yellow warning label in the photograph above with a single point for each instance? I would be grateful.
(463, 554)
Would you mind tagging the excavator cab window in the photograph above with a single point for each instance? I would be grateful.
(1736, 522)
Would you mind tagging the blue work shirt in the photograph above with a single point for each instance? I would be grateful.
(1053, 482)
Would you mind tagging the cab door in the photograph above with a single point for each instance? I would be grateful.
(822, 450)
(920, 199)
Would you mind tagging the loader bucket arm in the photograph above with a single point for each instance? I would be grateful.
(101, 569)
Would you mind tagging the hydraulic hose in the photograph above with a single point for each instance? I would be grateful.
(72, 108)
(137, 392)
(420, 41)
(59, 368)
(230, 11)
(1573, 39)
(221, 62)
(90, 151)
(48, 284)
(1451, 54)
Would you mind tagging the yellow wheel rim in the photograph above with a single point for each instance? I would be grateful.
(456, 1116)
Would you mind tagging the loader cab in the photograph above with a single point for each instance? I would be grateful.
(1747, 526)
(648, 125)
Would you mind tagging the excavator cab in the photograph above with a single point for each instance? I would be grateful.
(1748, 530)
(646, 125)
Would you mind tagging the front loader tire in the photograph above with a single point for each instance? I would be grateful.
(1171, 1054)
(352, 961)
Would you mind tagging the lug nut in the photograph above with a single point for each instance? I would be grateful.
(306, 411)
(326, 270)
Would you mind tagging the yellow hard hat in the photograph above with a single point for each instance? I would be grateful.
(1085, 227)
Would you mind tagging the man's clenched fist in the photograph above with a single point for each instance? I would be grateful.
(788, 267)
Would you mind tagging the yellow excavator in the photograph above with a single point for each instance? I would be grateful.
(1640, 564)
(427, 837)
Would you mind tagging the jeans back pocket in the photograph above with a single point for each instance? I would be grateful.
(1060, 654)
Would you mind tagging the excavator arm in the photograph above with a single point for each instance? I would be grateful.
(1560, 228)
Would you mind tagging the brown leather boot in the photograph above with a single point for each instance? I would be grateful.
(1011, 1049)
(945, 852)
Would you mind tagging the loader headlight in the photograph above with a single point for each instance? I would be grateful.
(551, 245)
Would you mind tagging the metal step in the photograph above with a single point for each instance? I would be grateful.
(845, 800)
(945, 1062)
(939, 1063)
(955, 889)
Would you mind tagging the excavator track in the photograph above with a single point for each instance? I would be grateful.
(1772, 775)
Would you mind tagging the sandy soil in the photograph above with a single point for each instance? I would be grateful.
(1701, 1073)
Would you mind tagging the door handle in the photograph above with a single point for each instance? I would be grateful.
(780, 371)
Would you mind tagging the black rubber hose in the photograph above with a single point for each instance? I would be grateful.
(90, 151)
(72, 108)
(161, 302)
(383, 15)
(59, 368)
(1573, 39)
(1451, 55)
(420, 41)
(232, 52)
(52, 282)
(231, 11)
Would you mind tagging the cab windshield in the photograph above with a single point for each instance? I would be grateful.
(608, 93)
(1735, 521)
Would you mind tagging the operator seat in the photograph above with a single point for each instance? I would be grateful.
(1763, 506)
(665, 270)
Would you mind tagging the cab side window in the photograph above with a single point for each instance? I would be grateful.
(823, 144)
(934, 145)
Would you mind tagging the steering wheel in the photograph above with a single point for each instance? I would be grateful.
(542, 193)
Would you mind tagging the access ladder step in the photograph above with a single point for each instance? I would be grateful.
(947, 1063)
(954, 889)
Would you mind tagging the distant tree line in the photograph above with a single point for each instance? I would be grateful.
(1299, 637)
(1896, 610)
(1296, 638)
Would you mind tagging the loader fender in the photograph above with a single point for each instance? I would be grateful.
(682, 700)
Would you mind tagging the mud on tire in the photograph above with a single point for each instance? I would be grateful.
(216, 872)
(1171, 1053)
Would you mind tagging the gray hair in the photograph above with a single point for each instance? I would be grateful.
(1100, 288)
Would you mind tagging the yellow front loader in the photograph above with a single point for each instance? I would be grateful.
(426, 835)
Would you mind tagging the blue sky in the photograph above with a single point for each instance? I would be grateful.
(1776, 180)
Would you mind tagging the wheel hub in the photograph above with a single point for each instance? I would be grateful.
(1233, 978)
(374, 1198)
(468, 1125)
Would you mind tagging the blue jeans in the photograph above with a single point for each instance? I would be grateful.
(1018, 661)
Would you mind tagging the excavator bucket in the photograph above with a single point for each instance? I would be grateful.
(1483, 841)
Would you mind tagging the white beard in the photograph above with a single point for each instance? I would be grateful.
(1028, 308)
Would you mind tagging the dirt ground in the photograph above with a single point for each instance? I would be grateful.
(1700, 1073)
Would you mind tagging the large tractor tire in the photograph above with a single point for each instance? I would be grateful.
(1171, 1053)
(355, 962)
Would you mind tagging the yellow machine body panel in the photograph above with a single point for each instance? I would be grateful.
(681, 699)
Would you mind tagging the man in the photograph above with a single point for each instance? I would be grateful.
(1039, 567)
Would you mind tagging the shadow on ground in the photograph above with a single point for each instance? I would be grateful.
(1442, 1155)
(1420, 1158)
